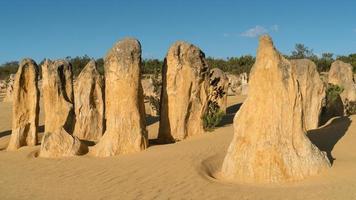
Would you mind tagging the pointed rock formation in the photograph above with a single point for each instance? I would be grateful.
(312, 90)
(341, 74)
(218, 86)
(125, 112)
(25, 109)
(269, 144)
(89, 104)
(184, 94)
(59, 111)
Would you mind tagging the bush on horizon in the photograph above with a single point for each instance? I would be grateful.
(234, 65)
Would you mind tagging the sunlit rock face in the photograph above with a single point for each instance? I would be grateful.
(125, 112)
(269, 143)
(312, 90)
(58, 99)
(184, 94)
(89, 103)
(25, 109)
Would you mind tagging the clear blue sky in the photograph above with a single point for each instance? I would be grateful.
(56, 29)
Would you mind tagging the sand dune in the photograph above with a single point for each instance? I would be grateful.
(184, 170)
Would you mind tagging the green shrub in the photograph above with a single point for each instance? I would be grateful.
(154, 101)
(212, 117)
(332, 93)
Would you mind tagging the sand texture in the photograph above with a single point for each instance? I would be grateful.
(183, 170)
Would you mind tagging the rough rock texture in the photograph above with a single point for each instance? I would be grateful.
(269, 144)
(59, 110)
(238, 84)
(89, 103)
(184, 95)
(25, 109)
(312, 90)
(125, 113)
(218, 86)
(9, 89)
(242, 89)
(151, 95)
(61, 144)
(233, 84)
(2, 84)
(341, 74)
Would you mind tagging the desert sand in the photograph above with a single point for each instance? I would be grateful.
(184, 170)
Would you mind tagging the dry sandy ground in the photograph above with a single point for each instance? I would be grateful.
(174, 171)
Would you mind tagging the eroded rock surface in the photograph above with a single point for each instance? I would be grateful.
(238, 84)
(125, 113)
(152, 93)
(218, 86)
(341, 74)
(9, 89)
(184, 95)
(89, 104)
(312, 90)
(25, 109)
(58, 102)
(269, 143)
(61, 144)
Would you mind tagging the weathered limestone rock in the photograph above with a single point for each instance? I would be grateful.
(58, 99)
(61, 144)
(2, 84)
(218, 86)
(125, 113)
(312, 90)
(184, 96)
(233, 84)
(59, 110)
(238, 84)
(151, 95)
(25, 109)
(341, 74)
(89, 104)
(269, 144)
(9, 89)
(242, 89)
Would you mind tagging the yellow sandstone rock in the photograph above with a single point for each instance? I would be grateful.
(25, 109)
(184, 95)
(59, 111)
(269, 143)
(312, 90)
(89, 103)
(125, 112)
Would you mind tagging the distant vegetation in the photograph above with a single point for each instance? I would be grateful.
(324, 62)
(235, 65)
(7, 69)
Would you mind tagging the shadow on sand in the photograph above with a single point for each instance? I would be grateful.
(8, 132)
(5, 133)
(325, 138)
(230, 114)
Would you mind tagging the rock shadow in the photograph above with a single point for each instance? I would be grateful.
(325, 138)
(230, 114)
(8, 132)
(41, 129)
(151, 119)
